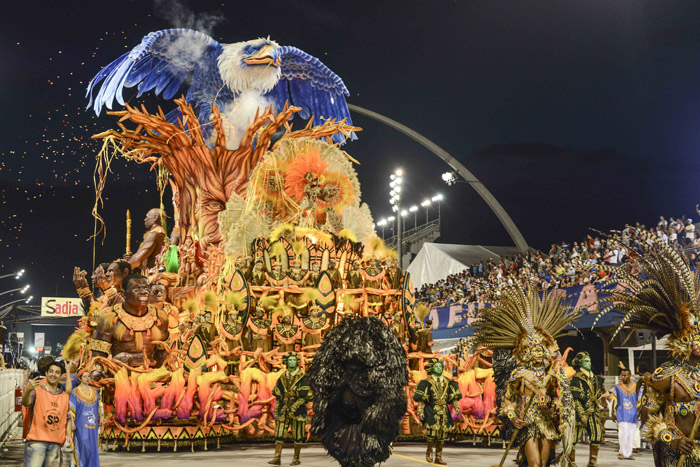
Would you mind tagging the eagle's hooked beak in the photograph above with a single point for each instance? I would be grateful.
(265, 56)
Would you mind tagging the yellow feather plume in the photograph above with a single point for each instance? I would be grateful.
(350, 301)
(390, 253)
(211, 301)
(277, 250)
(191, 307)
(310, 295)
(347, 234)
(72, 347)
(283, 230)
(298, 247)
(234, 300)
(421, 312)
(376, 243)
(269, 301)
(323, 238)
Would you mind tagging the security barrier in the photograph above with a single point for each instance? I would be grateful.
(9, 419)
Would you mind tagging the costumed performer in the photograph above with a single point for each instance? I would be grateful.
(292, 392)
(537, 392)
(586, 390)
(667, 302)
(86, 421)
(434, 396)
(358, 378)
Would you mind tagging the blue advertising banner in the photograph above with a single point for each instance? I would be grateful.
(454, 321)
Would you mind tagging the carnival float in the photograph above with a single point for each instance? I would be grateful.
(270, 248)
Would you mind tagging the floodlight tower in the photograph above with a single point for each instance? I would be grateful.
(396, 180)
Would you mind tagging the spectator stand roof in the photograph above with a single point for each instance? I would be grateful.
(436, 261)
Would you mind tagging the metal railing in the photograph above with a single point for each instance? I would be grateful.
(409, 236)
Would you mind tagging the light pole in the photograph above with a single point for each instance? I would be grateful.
(6, 305)
(382, 224)
(414, 210)
(426, 204)
(404, 213)
(17, 274)
(391, 219)
(437, 199)
(21, 290)
(395, 201)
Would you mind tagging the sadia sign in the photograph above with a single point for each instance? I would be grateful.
(61, 307)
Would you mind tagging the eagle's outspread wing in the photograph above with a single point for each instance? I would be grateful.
(306, 82)
(163, 60)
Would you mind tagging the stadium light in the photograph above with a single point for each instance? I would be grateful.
(426, 204)
(18, 289)
(17, 274)
(398, 172)
(414, 210)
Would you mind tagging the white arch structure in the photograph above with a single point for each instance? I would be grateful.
(485, 194)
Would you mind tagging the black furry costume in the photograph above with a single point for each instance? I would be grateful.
(503, 365)
(358, 378)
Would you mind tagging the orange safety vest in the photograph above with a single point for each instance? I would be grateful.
(49, 417)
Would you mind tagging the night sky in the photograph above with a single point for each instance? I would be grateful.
(575, 114)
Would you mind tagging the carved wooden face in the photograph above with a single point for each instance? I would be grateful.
(208, 207)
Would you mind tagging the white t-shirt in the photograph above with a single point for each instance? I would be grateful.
(690, 231)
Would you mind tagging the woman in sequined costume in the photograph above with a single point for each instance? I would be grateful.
(537, 394)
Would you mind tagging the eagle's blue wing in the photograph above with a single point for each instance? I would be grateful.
(307, 83)
(162, 61)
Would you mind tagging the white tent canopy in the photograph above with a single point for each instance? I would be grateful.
(436, 261)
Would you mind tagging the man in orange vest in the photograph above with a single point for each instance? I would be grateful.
(48, 412)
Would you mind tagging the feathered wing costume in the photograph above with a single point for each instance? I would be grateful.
(526, 323)
(662, 295)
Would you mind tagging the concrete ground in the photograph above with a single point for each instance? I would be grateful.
(257, 455)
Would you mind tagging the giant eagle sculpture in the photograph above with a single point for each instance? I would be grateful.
(239, 78)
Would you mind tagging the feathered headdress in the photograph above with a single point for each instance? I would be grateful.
(306, 168)
(662, 295)
(523, 320)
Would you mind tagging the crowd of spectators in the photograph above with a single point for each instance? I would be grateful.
(564, 265)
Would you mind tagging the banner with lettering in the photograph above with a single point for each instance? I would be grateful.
(61, 307)
(450, 322)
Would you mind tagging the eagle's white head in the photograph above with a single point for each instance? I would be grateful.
(251, 65)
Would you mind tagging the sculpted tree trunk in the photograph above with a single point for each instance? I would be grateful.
(206, 177)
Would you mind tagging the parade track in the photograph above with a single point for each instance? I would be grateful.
(257, 455)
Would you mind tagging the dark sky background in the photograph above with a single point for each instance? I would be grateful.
(575, 114)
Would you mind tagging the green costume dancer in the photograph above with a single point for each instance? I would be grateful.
(433, 395)
(292, 392)
(586, 390)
